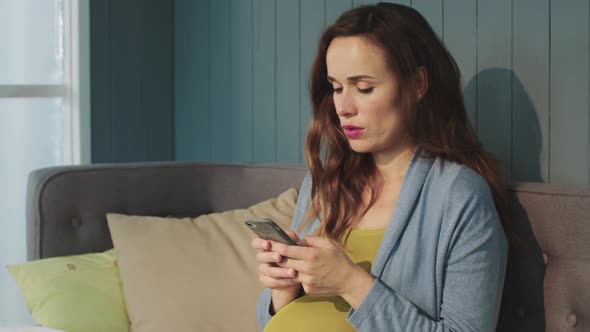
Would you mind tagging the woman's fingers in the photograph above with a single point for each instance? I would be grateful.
(275, 277)
(269, 257)
(273, 283)
(260, 244)
(271, 275)
(276, 272)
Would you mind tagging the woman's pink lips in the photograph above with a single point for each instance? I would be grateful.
(352, 132)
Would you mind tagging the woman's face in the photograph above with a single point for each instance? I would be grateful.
(365, 95)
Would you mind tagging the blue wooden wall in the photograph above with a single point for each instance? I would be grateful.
(241, 74)
(132, 80)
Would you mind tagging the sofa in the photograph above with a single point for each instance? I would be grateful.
(547, 285)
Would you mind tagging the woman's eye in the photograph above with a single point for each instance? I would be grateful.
(365, 91)
(337, 90)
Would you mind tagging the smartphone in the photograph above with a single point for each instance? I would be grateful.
(269, 230)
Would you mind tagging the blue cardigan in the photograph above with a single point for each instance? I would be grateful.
(441, 264)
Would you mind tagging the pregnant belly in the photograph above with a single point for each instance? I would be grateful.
(312, 313)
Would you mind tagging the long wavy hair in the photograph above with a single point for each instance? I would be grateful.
(437, 122)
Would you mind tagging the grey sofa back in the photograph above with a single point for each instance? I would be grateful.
(548, 278)
(66, 206)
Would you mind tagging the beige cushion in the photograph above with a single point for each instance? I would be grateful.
(195, 274)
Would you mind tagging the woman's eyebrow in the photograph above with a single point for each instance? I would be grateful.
(352, 78)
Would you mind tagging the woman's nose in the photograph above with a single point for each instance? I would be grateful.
(344, 105)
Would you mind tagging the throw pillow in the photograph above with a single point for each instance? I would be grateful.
(80, 293)
(199, 274)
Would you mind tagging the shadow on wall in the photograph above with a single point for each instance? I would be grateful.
(523, 135)
(507, 118)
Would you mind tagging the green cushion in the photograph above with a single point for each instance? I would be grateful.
(79, 293)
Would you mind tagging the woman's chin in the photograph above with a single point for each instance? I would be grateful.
(359, 147)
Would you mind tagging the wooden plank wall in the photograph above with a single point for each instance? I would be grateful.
(241, 84)
(132, 81)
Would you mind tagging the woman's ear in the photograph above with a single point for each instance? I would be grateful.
(421, 83)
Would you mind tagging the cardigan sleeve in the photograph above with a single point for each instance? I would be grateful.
(474, 271)
(263, 304)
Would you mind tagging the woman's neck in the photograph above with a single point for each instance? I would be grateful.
(393, 164)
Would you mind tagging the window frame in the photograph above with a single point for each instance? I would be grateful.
(75, 90)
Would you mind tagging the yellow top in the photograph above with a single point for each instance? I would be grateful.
(316, 313)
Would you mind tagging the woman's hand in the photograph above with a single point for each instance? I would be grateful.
(272, 275)
(285, 288)
(325, 269)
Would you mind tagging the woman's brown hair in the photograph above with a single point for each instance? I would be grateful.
(437, 122)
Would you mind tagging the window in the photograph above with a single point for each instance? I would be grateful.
(44, 114)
